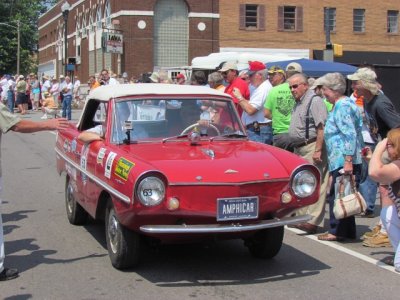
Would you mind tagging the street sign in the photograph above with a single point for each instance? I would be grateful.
(113, 42)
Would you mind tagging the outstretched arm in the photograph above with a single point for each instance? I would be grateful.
(26, 126)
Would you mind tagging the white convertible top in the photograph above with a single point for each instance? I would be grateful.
(107, 92)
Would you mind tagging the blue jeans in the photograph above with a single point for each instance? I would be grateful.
(368, 188)
(263, 136)
(10, 101)
(66, 107)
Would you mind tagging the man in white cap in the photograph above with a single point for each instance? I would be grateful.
(293, 68)
(379, 108)
(381, 116)
(230, 73)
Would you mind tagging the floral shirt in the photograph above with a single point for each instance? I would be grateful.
(342, 133)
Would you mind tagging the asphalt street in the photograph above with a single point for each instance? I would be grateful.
(57, 260)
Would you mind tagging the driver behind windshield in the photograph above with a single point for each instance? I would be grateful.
(121, 126)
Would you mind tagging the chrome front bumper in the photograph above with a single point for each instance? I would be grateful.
(223, 228)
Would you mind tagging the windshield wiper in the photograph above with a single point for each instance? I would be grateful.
(229, 135)
(177, 137)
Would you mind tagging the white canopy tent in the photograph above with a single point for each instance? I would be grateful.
(242, 59)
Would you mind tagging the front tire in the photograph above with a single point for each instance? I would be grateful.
(266, 243)
(75, 213)
(123, 244)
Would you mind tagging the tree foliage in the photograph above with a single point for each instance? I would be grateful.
(27, 12)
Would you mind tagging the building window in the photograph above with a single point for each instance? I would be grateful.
(330, 18)
(99, 17)
(91, 20)
(84, 28)
(393, 21)
(77, 26)
(290, 18)
(107, 13)
(252, 17)
(359, 20)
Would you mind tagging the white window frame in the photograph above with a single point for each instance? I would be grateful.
(359, 20)
(393, 21)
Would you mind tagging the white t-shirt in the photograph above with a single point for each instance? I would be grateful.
(257, 100)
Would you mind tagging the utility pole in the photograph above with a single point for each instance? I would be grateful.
(328, 52)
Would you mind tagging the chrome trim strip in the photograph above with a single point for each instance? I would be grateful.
(94, 178)
(223, 228)
(227, 183)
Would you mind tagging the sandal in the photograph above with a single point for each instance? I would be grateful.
(388, 260)
(329, 237)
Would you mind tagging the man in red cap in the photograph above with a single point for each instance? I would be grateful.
(258, 127)
(180, 79)
(230, 73)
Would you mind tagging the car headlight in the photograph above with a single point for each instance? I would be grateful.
(151, 191)
(304, 183)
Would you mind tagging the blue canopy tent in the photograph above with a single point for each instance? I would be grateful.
(316, 68)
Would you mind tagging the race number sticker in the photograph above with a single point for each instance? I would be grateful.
(100, 156)
(123, 167)
(110, 159)
(84, 155)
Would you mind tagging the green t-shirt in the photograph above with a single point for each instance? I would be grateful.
(329, 105)
(280, 103)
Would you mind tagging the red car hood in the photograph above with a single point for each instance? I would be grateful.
(227, 161)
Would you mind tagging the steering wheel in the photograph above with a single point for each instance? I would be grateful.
(186, 130)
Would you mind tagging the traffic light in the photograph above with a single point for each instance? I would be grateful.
(337, 50)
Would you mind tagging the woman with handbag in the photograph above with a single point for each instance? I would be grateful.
(343, 139)
(389, 174)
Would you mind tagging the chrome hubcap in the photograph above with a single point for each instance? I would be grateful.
(113, 232)
(70, 198)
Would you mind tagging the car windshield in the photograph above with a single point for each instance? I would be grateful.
(154, 119)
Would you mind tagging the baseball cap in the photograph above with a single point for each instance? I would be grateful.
(229, 65)
(180, 75)
(255, 66)
(364, 74)
(62, 76)
(275, 69)
(317, 82)
(21, 77)
(294, 67)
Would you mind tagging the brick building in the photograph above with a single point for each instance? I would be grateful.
(152, 34)
(368, 31)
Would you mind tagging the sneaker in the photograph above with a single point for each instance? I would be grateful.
(44, 117)
(8, 274)
(372, 233)
(366, 214)
(377, 241)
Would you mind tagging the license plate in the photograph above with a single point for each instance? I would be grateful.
(237, 208)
